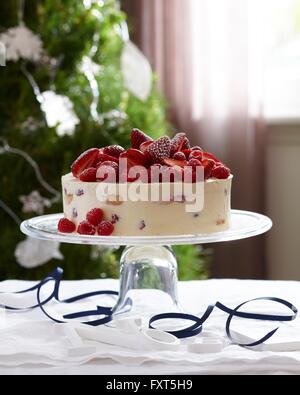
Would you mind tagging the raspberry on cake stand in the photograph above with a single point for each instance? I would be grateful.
(148, 267)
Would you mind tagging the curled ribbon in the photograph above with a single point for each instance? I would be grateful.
(106, 313)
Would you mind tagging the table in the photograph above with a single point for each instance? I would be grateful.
(30, 344)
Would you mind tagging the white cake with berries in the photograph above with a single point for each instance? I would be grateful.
(98, 199)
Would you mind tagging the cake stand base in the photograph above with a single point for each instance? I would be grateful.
(148, 281)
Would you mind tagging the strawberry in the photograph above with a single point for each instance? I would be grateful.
(179, 142)
(84, 161)
(135, 157)
(221, 172)
(159, 150)
(113, 150)
(88, 175)
(174, 162)
(179, 156)
(194, 162)
(108, 169)
(197, 148)
(104, 157)
(85, 228)
(145, 145)
(138, 137)
(187, 153)
(208, 167)
(66, 226)
(196, 154)
(106, 228)
(95, 216)
(208, 155)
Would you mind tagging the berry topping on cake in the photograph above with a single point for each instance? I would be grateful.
(108, 165)
(66, 226)
(85, 228)
(175, 162)
(106, 228)
(85, 160)
(159, 149)
(135, 157)
(179, 143)
(113, 150)
(194, 162)
(88, 175)
(95, 216)
(179, 156)
(138, 138)
(221, 172)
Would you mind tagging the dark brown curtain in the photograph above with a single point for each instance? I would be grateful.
(201, 51)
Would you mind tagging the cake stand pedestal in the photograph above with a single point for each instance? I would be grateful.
(148, 267)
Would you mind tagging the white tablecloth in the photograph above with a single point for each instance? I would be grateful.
(31, 344)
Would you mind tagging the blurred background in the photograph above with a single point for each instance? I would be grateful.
(82, 73)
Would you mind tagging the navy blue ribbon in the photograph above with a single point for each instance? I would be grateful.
(56, 277)
(197, 327)
(105, 314)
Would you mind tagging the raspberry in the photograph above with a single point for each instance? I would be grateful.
(85, 161)
(179, 156)
(95, 216)
(66, 226)
(106, 228)
(159, 149)
(113, 150)
(86, 228)
(221, 172)
(138, 138)
(88, 175)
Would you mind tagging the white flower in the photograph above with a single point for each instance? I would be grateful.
(59, 112)
(137, 71)
(22, 43)
(34, 203)
(32, 253)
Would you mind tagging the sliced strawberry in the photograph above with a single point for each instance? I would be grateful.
(187, 153)
(135, 157)
(66, 226)
(113, 150)
(159, 150)
(174, 162)
(108, 170)
(85, 228)
(196, 154)
(197, 148)
(104, 157)
(179, 143)
(145, 145)
(95, 216)
(179, 156)
(106, 228)
(88, 175)
(221, 172)
(208, 155)
(138, 138)
(208, 165)
(84, 161)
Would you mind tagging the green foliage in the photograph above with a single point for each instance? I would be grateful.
(68, 31)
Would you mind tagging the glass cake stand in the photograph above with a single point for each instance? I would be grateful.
(148, 266)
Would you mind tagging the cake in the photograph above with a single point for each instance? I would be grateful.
(103, 197)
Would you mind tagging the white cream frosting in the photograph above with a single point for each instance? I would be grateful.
(147, 218)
